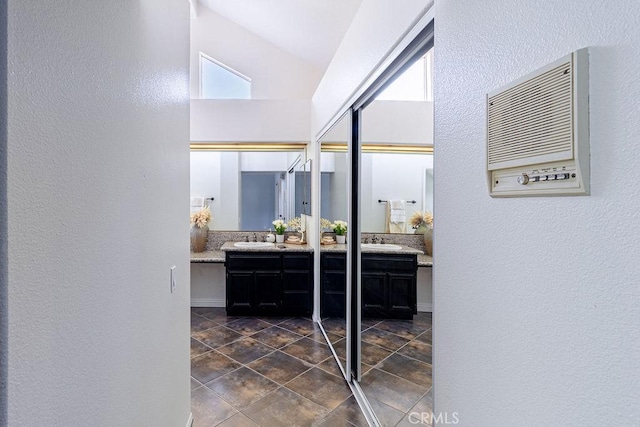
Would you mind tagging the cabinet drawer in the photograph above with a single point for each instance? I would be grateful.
(334, 261)
(256, 261)
(297, 262)
(389, 263)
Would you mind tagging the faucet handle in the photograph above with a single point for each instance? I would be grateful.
(246, 238)
(255, 238)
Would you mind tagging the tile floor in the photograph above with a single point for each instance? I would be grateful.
(274, 372)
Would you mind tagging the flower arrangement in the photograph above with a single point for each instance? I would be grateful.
(340, 227)
(295, 223)
(280, 226)
(419, 219)
(201, 218)
(325, 224)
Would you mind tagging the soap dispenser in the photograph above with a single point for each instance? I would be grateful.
(271, 237)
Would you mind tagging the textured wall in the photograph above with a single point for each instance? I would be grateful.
(3, 215)
(536, 300)
(98, 185)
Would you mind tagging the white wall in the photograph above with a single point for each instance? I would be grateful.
(97, 192)
(536, 300)
(274, 73)
(406, 122)
(234, 120)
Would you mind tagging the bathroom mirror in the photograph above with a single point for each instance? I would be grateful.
(333, 274)
(251, 188)
(385, 176)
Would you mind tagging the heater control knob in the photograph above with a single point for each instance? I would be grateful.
(523, 179)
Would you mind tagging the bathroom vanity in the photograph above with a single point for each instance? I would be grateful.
(269, 281)
(388, 282)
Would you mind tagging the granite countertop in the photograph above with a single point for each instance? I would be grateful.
(207, 256)
(343, 248)
(277, 247)
(425, 261)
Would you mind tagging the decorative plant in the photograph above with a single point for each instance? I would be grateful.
(420, 219)
(340, 227)
(325, 224)
(201, 218)
(280, 226)
(295, 223)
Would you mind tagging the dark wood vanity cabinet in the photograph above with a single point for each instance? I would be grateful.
(388, 285)
(269, 284)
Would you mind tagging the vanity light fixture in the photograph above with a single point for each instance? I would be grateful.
(247, 146)
(380, 148)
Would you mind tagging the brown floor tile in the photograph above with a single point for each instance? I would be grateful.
(308, 350)
(350, 410)
(238, 420)
(217, 314)
(242, 387)
(318, 336)
(333, 421)
(330, 365)
(208, 409)
(417, 350)
(409, 369)
(425, 337)
(197, 348)
(383, 339)
(372, 354)
(340, 347)
(199, 323)
(421, 413)
(335, 326)
(299, 325)
(396, 392)
(248, 326)
(245, 350)
(217, 337)
(211, 365)
(285, 408)
(279, 367)
(194, 383)
(273, 320)
(400, 328)
(387, 415)
(321, 387)
(367, 323)
(276, 337)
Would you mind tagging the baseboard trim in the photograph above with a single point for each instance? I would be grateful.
(190, 420)
(425, 307)
(208, 302)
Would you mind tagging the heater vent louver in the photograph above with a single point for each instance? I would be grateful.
(538, 131)
(532, 119)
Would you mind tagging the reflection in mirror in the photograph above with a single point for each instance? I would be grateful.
(395, 339)
(333, 257)
(251, 188)
(384, 176)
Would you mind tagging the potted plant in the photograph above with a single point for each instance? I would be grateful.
(280, 226)
(200, 229)
(422, 223)
(340, 228)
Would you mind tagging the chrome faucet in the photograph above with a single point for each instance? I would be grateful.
(382, 241)
(374, 239)
(246, 238)
(255, 238)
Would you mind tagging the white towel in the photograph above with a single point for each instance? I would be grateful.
(398, 212)
(396, 218)
(197, 202)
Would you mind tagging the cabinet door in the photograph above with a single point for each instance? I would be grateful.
(333, 294)
(296, 291)
(373, 294)
(267, 290)
(240, 286)
(402, 293)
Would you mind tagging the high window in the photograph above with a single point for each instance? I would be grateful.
(217, 81)
(414, 84)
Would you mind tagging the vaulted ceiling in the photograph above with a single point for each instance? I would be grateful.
(309, 29)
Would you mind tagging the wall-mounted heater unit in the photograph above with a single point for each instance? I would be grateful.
(538, 132)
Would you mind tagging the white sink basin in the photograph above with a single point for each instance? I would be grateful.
(253, 245)
(381, 246)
